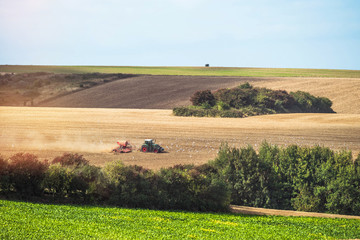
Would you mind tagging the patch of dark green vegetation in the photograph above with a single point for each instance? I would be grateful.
(294, 178)
(246, 100)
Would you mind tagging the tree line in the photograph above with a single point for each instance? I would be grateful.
(314, 179)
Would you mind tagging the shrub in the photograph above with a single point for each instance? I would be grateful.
(69, 159)
(231, 114)
(57, 180)
(201, 97)
(206, 105)
(133, 186)
(246, 85)
(194, 188)
(222, 106)
(246, 174)
(26, 174)
(299, 178)
(4, 175)
(309, 103)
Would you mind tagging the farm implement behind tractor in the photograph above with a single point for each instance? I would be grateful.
(124, 147)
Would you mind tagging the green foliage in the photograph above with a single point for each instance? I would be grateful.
(206, 105)
(26, 174)
(21, 220)
(246, 85)
(247, 175)
(245, 100)
(194, 188)
(309, 103)
(133, 186)
(222, 106)
(203, 97)
(69, 159)
(57, 180)
(178, 187)
(4, 175)
(300, 178)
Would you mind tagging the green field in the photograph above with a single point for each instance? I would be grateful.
(195, 71)
(21, 220)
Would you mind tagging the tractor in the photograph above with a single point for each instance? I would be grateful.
(124, 147)
(150, 146)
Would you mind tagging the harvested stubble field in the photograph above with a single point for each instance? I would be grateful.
(49, 132)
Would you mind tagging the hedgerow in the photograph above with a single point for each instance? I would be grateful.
(297, 178)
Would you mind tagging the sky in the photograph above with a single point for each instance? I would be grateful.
(224, 33)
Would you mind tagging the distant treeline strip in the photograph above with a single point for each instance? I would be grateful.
(297, 178)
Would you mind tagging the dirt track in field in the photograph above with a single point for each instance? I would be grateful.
(265, 211)
(166, 92)
(49, 132)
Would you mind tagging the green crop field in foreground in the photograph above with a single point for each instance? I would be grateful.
(21, 220)
(195, 71)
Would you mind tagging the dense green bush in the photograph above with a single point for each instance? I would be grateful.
(4, 175)
(309, 103)
(69, 159)
(132, 186)
(201, 97)
(26, 174)
(57, 180)
(246, 174)
(300, 178)
(250, 101)
(193, 188)
(179, 187)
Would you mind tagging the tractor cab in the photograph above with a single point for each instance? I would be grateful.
(149, 142)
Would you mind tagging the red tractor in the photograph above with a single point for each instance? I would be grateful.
(124, 147)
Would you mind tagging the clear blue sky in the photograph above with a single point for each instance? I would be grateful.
(229, 33)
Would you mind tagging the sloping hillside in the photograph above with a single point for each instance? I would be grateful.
(145, 92)
(166, 92)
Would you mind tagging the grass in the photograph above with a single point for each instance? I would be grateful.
(20, 220)
(195, 71)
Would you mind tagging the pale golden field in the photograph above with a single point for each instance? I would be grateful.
(343, 92)
(49, 132)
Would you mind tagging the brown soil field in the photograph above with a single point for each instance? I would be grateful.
(145, 92)
(166, 92)
(49, 132)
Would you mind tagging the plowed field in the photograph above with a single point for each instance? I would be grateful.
(166, 92)
(49, 132)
